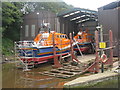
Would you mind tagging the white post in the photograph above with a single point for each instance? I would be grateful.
(101, 37)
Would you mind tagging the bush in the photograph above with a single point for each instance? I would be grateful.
(7, 46)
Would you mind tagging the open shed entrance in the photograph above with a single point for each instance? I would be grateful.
(74, 19)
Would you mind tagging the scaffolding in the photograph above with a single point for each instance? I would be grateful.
(22, 62)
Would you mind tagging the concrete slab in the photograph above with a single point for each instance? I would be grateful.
(90, 79)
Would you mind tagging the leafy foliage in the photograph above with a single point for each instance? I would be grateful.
(52, 6)
(55, 6)
(7, 46)
(11, 21)
(11, 15)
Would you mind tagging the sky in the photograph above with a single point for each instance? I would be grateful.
(88, 4)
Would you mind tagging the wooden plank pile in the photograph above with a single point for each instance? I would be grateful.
(66, 71)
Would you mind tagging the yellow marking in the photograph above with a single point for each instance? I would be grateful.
(102, 45)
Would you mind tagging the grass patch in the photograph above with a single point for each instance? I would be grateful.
(113, 83)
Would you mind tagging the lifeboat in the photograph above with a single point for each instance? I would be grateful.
(84, 39)
(40, 50)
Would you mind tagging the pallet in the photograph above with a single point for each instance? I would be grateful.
(67, 70)
(64, 72)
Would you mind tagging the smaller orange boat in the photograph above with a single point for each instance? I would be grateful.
(84, 40)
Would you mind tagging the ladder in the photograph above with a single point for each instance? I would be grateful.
(22, 64)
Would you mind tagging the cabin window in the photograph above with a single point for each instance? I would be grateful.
(57, 36)
(26, 30)
(33, 30)
(60, 36)
(79, 37)
(65, 36)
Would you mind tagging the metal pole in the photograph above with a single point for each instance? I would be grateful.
(38, 21)
(97, 55)
(102, 52)
(111, 45)
(101, 33)
(15, 52)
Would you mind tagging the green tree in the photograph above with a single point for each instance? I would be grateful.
(56, 6)
(11, 20)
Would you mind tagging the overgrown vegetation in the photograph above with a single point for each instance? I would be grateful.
(7, 46)
(12, 13)
(11, 20)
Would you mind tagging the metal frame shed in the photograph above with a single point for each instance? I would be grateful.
(76, 18)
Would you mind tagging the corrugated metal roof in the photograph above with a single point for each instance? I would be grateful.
(79, 15)
(75, 9)
(111, 5)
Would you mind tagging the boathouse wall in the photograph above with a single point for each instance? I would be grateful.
(109, 18)
(32, 23)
